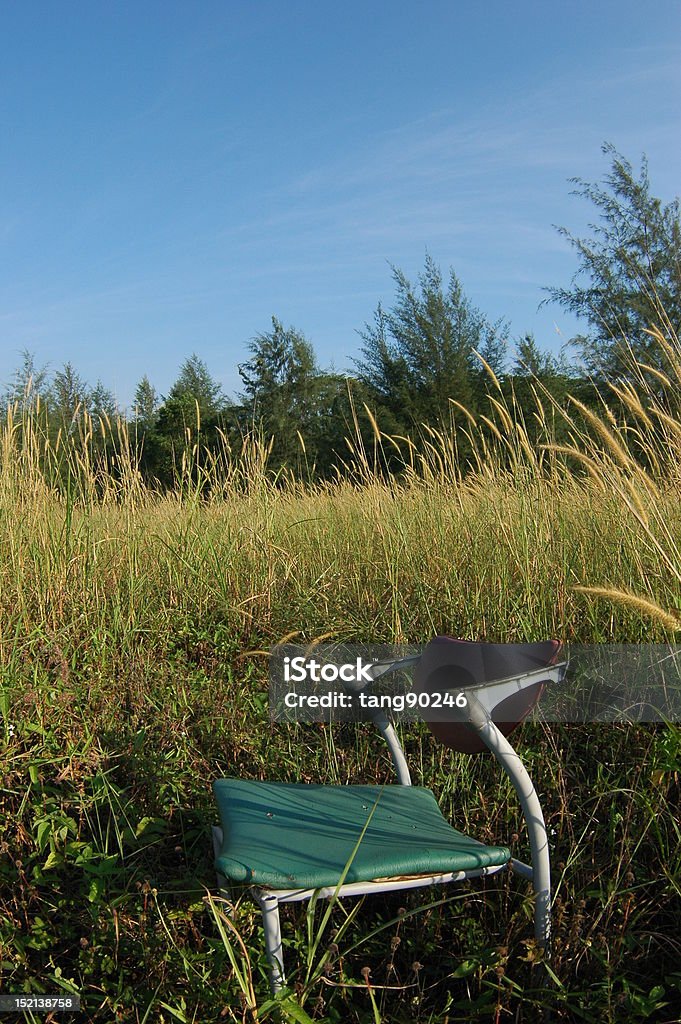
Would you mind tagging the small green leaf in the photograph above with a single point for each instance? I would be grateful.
(96, 890)
(294, 1011)
(43, 832)
(53, 859)
(465, 968)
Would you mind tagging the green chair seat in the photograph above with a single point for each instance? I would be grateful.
(294, 835)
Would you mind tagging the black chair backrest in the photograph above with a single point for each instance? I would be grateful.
(453, 665)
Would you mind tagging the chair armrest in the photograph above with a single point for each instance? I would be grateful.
(491, 694)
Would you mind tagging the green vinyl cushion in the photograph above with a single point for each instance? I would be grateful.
(295, 835)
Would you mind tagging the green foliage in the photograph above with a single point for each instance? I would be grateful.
(102, 405)
(419, 357)
(301, 409)
(145, 405)
(186, 429)
(68, 398)
(532, 362)
(29, 383)
(196, 384)
(280, 371)
(629, 275)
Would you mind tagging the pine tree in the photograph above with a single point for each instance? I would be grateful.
(102, 404)
(145, 405)
(188, 421)
(68, 398)
(629, 274)
(418, 358)
(29, 383)
(196, 385)
(531, 361)
(282, 389)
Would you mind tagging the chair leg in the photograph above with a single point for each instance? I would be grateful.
(269, 906)
(541, 875)
(223, 885)
(542, 919)
(534, 818)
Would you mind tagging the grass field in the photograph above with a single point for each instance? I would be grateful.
(132, 626)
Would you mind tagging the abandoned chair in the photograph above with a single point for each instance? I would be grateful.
(288, 841)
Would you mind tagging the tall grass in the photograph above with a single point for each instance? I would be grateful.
(131, 623)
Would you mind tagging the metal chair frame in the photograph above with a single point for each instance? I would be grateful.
(481, 699)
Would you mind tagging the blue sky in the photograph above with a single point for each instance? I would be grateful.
(174, 174)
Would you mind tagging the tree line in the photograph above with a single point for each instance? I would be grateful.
(426, 362)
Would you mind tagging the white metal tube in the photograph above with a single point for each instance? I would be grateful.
(269, 906)
(529, 801)
(380, 885)
(387, 731)
(524, 870)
